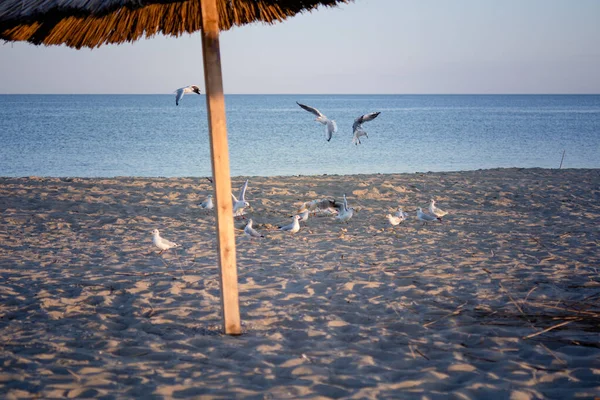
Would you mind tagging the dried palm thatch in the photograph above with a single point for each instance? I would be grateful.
(92, 23)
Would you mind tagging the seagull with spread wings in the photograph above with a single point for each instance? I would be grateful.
(188, 89)
(330, 125)
(357, 129)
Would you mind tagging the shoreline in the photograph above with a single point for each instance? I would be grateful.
(502, 299)
(35, 177)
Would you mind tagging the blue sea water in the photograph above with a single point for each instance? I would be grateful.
(147, 135)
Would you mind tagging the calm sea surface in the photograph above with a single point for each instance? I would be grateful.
(147, 135)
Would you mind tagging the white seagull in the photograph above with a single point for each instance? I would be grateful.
(330, 125)
(293, 227)
(357, 129)
(304, 215)
(208, 203)
(357, 134)
(401, 214)
(425, 217)
(162, 244)
(250, 231)
(188, 89)
(394, 220)
(438, 212)
(240, 203)
(345, 213)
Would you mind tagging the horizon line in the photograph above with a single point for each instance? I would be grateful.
(310, 94)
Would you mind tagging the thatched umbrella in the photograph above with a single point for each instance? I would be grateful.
(92, 23)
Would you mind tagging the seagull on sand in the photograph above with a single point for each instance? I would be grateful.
(438, 212)
(304, 215)
(425, 217)
(315, 205)
(241, 203)
(330, 125)
(357, 129)
(345, 213)
(162, 244)
(250, 231)
(293, 227)
(208, 203)
(393, 219)
(401, 214)
(188, 89)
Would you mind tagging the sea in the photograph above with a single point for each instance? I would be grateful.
(270, 135)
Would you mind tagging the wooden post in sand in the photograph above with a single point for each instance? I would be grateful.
(215, 100)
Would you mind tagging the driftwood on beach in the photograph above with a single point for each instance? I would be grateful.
(502, 299)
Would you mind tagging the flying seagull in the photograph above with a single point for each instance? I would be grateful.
(357, 130)
(330, 125)
(188, 89)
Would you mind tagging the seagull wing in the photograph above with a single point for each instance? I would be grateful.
(330, 129)
(243, 191)
(364, 118)
(311, 110)
(345, 203)
(179, 95)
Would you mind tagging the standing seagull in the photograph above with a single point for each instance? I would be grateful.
(250, 231)
(208, 203)
(401, 214)
(241, 203)
(188, 89)
(438, 212)
(162, 244)
(425, 217)
(293, 227)
(357, 129)
(330, 125)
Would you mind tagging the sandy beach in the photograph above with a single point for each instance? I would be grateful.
(501, 300)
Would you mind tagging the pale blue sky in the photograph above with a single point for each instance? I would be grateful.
(371, 46)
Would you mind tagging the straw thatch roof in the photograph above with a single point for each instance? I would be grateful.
(92, 23)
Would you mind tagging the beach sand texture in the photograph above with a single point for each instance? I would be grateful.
(88, 309)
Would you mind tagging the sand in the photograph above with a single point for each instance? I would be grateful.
(88, 309)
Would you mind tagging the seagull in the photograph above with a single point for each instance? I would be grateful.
(425, 217)
(241, 203)
(345, 213)
(293, 227)
(315, 205)
(438, 212)
(304, 215)
(357, 129)
(330, 125)
(208, 203)
(401, 214)
(251, 232)
(357, 134)
(394, 220)
(162, 244)
(188, 89)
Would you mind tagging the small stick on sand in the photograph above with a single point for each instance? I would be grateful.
(550, 328)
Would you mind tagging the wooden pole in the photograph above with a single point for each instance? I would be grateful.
(215, 100)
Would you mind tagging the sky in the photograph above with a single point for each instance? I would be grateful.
(365, 47)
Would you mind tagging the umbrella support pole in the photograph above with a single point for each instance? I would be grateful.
(215, 100)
